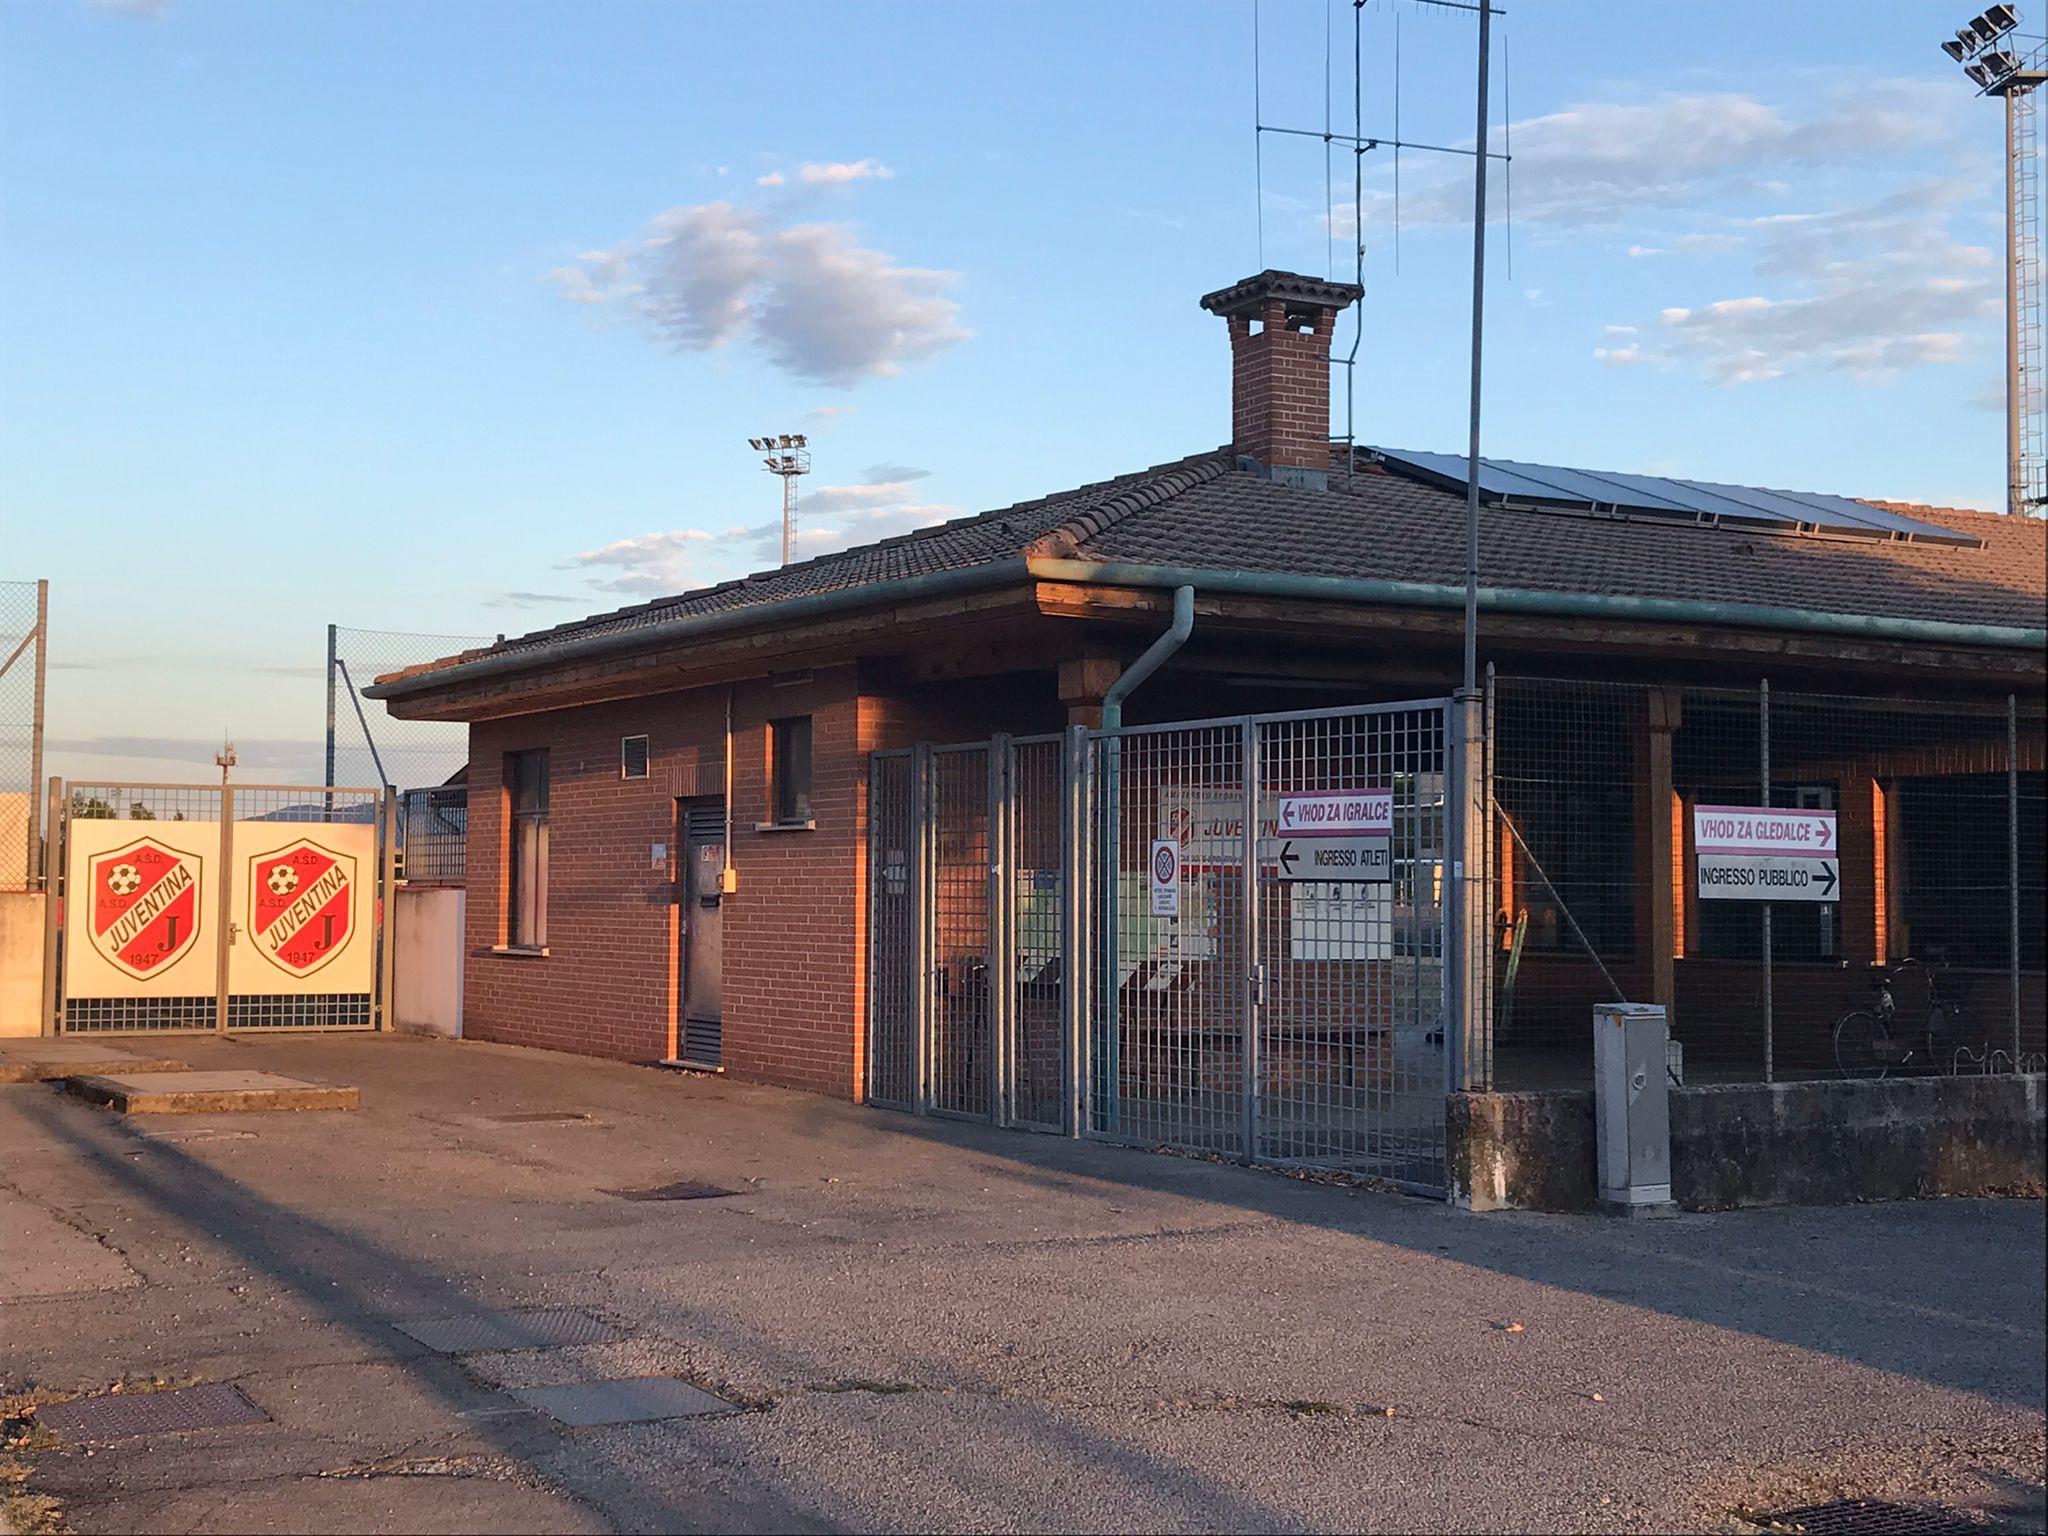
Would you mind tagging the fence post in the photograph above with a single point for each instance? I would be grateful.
(1467, 1065)
(1764, 754)
(920, 926)
(1489, 946)
(53, 883)
(329, 806)
(387, 1006)
(2012, 861)
(1252, 987)
(32, 853)
(1002, 967)
(1074, 926)
(225, 909)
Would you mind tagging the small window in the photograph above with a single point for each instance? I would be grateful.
(633, 758)
(526, 871)
(789, 771)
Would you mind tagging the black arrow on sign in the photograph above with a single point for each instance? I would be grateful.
(1287, 858)
(1827, 875)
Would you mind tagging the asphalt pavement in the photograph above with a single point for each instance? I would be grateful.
(921, 1324)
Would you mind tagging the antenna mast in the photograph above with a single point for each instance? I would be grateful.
(1986, 50)
(786, 457)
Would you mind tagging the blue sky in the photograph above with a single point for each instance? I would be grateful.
(455, 317)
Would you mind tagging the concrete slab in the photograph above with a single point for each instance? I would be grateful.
(36, 1061)
(203, 1093)
(639, 1400)
(42, 1256)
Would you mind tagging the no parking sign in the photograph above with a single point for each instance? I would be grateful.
(1165, 878)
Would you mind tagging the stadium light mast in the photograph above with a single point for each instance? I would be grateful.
(786, 457)
(1985, 50)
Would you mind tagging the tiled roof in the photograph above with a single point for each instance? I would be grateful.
(1204, 512)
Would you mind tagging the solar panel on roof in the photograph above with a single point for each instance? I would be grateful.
(1669, 497)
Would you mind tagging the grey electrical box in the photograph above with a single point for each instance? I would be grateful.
(1632, 1107)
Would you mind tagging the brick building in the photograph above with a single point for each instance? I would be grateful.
(669, 854)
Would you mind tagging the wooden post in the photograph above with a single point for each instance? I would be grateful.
(1662, 877)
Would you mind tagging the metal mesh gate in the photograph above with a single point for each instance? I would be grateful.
(1078, 933)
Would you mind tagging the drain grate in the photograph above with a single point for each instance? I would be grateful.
(118, 1415)
(477, 1333)
(682, 1189)
(1872, 1517)
(538, 1117)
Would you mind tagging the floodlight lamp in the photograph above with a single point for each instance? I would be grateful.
(1979, 73)
(1983, 29)
(2003, 18)
(1967, 36)
(2000, 63)
(1953, 49)
(756, 444)
(800, 440)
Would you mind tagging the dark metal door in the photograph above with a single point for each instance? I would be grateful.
(702, 840)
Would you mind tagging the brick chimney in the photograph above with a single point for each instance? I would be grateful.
(1281, 324)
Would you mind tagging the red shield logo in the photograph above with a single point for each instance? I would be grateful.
(144, 905)
(301, 902)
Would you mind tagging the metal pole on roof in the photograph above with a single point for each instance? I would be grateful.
(1479, 168)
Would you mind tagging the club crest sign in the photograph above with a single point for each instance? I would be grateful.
(301, 905)
(144, 904)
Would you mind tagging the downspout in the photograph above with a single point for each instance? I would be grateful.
(1128, 682)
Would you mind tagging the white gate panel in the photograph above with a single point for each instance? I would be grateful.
(141, 904)
(304, 906)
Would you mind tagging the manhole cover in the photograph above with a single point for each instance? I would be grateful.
(1872, 1517)
(539, 1117)
(120, 1414)
(477, 1333)
(682, 1189)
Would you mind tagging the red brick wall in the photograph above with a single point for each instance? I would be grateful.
(607, 985)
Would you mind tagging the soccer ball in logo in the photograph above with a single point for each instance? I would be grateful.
(283, 880)
(122, 879)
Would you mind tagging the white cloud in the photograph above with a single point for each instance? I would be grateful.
(827, 412)
(831, 518)
(1640, 251)
(772, 179)
(819, 304)
(834, 173)
(530, 599)
(1620, 357)
(1872, 289)
(1619, 330)
(1603, 164)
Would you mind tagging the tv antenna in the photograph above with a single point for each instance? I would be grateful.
(1989, 51)
(1360, 146)
(787, 458)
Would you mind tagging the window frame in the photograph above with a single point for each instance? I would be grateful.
(526, 849)
(789, 794)
(646, 756)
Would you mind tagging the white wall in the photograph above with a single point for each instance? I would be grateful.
(428, 926)
(21, 962)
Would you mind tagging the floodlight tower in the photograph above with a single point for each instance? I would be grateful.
(786, 457)
(1986, 49)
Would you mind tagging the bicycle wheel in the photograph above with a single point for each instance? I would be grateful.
(1863, 1045)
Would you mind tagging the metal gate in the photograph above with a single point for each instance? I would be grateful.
(1076, 933)
(218, 907)
(1278, 997)
(967, 1009)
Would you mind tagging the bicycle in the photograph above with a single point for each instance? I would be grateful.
(1872, 1042)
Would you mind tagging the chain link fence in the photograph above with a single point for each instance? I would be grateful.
(1929, 957)
(366, 744)
(24, 666)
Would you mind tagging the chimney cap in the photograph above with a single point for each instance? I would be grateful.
(1292, 288)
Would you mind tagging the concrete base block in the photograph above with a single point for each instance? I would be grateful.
(208, 1093)
(40, 1061)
